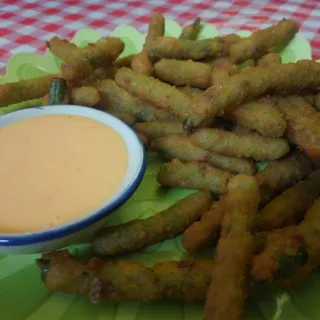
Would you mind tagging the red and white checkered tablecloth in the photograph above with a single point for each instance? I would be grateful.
(26, 24)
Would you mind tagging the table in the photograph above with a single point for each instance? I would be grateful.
(25, 25)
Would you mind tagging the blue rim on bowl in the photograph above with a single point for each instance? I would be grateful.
(21, 239)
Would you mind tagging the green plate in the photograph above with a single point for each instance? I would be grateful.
(22, 295)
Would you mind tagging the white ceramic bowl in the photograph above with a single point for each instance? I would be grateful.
(86, 226)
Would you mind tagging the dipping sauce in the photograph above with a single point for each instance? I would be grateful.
(55, 169)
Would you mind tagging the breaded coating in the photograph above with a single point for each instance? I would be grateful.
(127, 118)
(23, 90)
(124, 61)
(184, 73)
(156, 27)
(220, 62)
(219, 76)
(281, 174)
(152, 90)
(141, 63)
(157, 129)
(191, 31)
(250, 84)
(193, 175)
(269, 60)
(100, 74)
(291, 205)
(247, 65)
(263, 41)
(62, 48)
(116, 99)
(240, 130)
(303, 124)
(247, 146)
(87, 96)
(206, 231)
(121, 280)
(91, 57)
(182, 148)
(172, 48)
(140, 233)
(291, 253)
(261, 116)
(229, 285)
(231, 38)
(190, 91)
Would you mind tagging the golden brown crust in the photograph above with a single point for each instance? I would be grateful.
(193, 175)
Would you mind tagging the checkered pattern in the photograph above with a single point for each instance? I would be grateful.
(26, 24)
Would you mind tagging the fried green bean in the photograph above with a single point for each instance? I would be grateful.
(291, 253)
(116, 99)
(247, 146)
(182, 148)
(250, 63)
(62, 48)
(23, 90)
(98, 75)
(141, 63)
(45, 99)
(231, 38)
(263, 41)
(229, 285)
(172, 48)
(57, 91)
(157, 129)
(127, 118)
(152, 90)
(193, 175)
(281, 174)
(206, 231)
(261, 116)
(138, 234)
(270, 59)
(87, 96)
(91, 57)
(248, 85)
(124, 61)
(191, 31)
(303, 124)
(121, 280)
(156, 27)
(219, 76)
(240, 130)
(220, 62)
(190, 91)
(184, 73)
(291, 205)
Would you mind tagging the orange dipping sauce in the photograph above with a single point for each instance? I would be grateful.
(55, 169)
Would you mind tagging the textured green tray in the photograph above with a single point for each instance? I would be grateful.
(22, 295)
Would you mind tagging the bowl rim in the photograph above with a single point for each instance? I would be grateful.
(67, 229)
